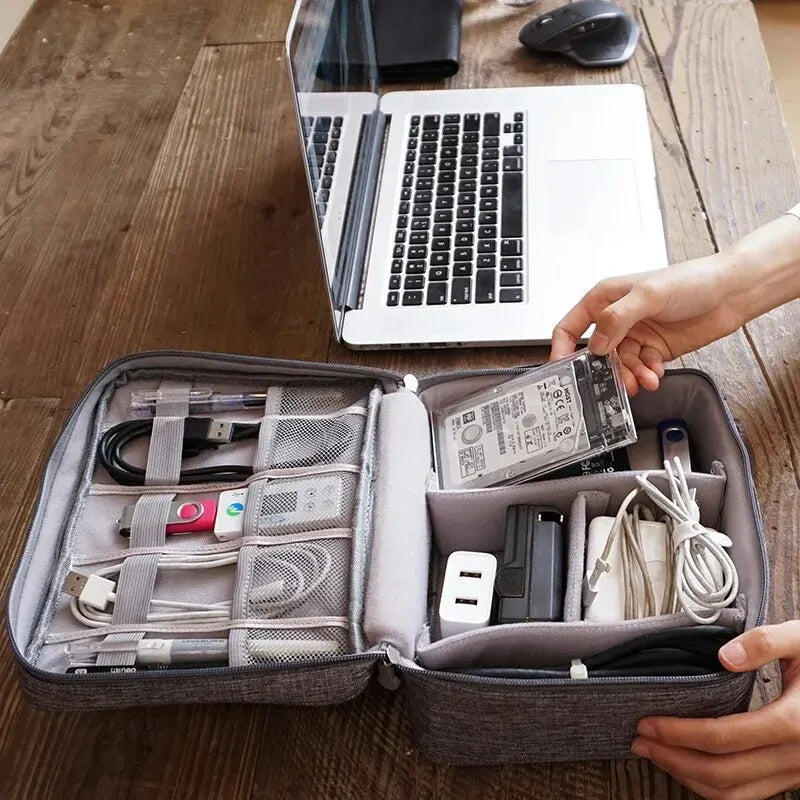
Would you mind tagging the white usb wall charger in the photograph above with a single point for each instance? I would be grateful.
(467, 593)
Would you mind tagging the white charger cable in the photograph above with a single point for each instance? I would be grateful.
(700, 553)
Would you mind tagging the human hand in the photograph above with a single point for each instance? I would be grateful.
(747, 756)
(653, 317)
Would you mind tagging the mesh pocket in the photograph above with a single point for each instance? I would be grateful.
(291, 505)
(296, 443)
(317, 400)
(306, 579)
(293, 645)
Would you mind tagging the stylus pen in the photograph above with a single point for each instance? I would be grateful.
(158, 652)
(201, 401)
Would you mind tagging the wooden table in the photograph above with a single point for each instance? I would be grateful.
(151, 196)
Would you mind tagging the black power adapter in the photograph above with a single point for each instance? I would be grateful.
(530, 578)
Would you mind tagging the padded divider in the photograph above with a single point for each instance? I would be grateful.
(395, 604)
(477, 516)
(546, 644)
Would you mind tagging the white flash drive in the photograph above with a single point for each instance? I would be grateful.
(230, 514)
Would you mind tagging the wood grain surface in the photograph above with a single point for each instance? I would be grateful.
(151, 195)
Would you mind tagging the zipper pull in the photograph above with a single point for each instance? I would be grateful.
(411, 383)
(387, 676)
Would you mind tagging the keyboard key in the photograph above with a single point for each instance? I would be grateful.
(518, 128)
(445, 189)
(489, 191)
(408, 169)
(412, 143)
(415, 268)
(437, 294)
(426, 172)
(489, 179)
(487, 232)
(511, 279)
(444, 202)
(447, 177)
(392, 298)
(414, 282)
(397, 265)
(426, 147)
(420, 224)
(488, 204)
(469, 185)
(464, 240)
(518, 138)
(487, 245)
(511, 295)
(486, 260)
(452, 118)
(469, 149)
(418, 237)
(430, 122)
(512, 206)
(512, 164)
(450, 130)
(468, 172)
(400, 237)
(491, 141)
(424, 183)
(469, 161)
(399, 251)
(472, 122)
(491, 124)
(394, 282)
(405, 207)
(465, 212)
(487, 218)
(422, 210)
(447, 164)
(441, 243)
(413, 130)
(490, 166)
(440, 259)
(512, 150)
(415, 119)
(405, 194)
(450, 141)
(511, 247)
(442, 229)
(322, 124)
(417, 251)
(320, 136)
(470, 137)
(327, 182)
(412, 298)
(334, 145)
(336, 133)
(466, 199)
(425, 161)
(331, 158)
(507, 127)
(462, 269)
(518, 117)
(465, 225)
(424, 196)
(324, 195)
(463, 254)
(443, 215)
(484, 286)
(449, 152)
(491, 153)
(461, 291)
(510, 264)
(439, 274)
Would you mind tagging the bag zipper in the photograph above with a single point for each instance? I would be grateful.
(57, 453)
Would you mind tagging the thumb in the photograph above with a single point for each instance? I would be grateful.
(759, 646)
(617, 319)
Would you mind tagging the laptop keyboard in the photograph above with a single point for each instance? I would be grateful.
(322, 135)
(459, 226)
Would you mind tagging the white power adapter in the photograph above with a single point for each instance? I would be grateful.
(467, 592)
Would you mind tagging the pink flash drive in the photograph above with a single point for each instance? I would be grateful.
(191, 516)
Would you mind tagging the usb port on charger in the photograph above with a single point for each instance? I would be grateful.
(465, 574)
(466, 601)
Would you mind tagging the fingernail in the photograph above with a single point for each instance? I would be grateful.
(598, 344)
(646, 729)
(640, 749)
(734, 653)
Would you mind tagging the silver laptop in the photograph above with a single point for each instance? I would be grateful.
(463, 217)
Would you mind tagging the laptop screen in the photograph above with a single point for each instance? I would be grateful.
(331, 54)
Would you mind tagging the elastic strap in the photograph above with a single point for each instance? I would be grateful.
(166, 440)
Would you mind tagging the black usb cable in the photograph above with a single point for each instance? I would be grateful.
(673, 653)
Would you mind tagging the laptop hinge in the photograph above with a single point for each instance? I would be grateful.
(358, 224)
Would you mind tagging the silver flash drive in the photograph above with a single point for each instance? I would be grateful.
(675, 442)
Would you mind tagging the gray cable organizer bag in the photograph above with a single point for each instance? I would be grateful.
(314, 611)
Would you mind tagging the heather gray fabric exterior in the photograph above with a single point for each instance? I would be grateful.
(401, 519)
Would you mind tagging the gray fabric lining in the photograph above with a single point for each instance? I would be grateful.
(398, 571)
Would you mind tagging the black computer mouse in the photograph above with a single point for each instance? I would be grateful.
(594, 33)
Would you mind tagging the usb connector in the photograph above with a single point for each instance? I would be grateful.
(218, 431)
(94, 590)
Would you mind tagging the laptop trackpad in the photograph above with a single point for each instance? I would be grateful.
(599, 196)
